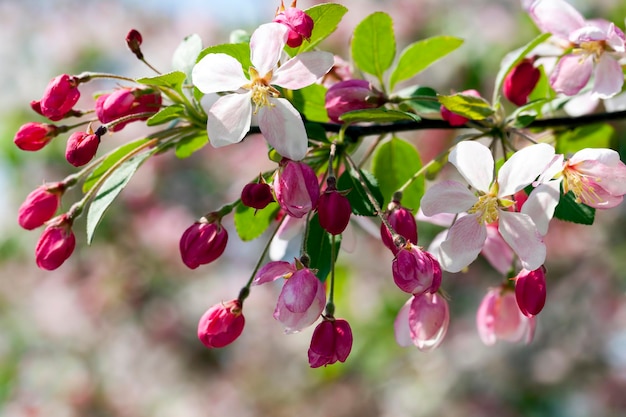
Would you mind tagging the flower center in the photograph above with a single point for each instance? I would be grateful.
(261, 89)
(487, 207)
(594, 49)
(581, 185)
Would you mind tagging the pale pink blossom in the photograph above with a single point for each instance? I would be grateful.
(422, 321)
(597, 177)
(594, 49)
(230, 117)
(301, 301)
(489, 202)
(499, 317)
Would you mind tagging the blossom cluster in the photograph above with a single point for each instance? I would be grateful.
(312, 109)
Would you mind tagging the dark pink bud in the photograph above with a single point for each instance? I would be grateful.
(202, 243)
(530, 291)
(221, 324)
(331, 342)
(403, 222)
(40, 205)
(56, 244)
(257, 195)
(416, 271)
(33, 136)
(333, 209)
(299, 23)
(296, 188)
(81, 148)
(134, 40)
(520, 82)
(350, 95)
(126, 102)
(59, 97)
(454, 119)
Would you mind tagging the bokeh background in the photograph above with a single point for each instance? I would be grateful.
(113, 331)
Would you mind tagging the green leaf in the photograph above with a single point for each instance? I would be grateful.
(592, 136)
(239, 51)
(190, 144)
(571, 211)
(512, 59)
(110, 189)
(166, 114)
(109, 161)
(173, 80)
(474, 108)
(326, 18)
(319, 248)
(393, 164)
(251, 223)
(420, 55)
(423, 100)
(374, 44)
(311, 102)
(185, 56)
(379, 115)
(359, 201)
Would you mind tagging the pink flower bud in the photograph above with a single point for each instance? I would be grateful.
(257, 195)
(455, 119)
(40, 205)
(499, 317)
(331, 342)
(299, 23)
(423, 321)
(416, 271)
(202, 243)
(59, 97)
(520, 82)
(126, 102)
(221, 324)
(34, 136)
(403, 222)
(333, 209)
(81, 148)
(530, 291)
(134, 40)
(56, 243)
(350, 95)
(301, 301)
(296, 188)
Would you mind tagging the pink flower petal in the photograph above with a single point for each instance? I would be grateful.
(447, 197)
(541, 204)
(229, 119)
(402, 331)
(273, 271)
(266, 46)
(282, 127)
(303, 70)
(587, 34)
(606, 156)
(464, 242)
(475, 164)
(609, 77)
(218, 72)
(571, 74)
(556, 16)
(523, 168)
(497, 252)
(519, 231)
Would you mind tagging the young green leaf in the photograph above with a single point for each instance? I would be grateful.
(326, 18)
(380, 115)
(571, 211)
(166, 114)
(250, 223)
(393, 164)
(190, 144)
(592, 136)
(173, 80)
(359, 201)
(310, 101)
(239, 51)
(474, 108)
(319, 248)
(423, 100)
(110, 189)
(420, 55)
(374, 44)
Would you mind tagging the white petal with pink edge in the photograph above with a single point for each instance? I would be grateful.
(402, 331)
(218, 72)
(474, 162)
(273, 271)
(282, 127)
(266, 46)
(303, 70)
(464, 242)
(541, 204)
(609, 77)
(520, 232)
(523, 168)
(556, 16)
(571, 74)
(447, 197)
(229, 119)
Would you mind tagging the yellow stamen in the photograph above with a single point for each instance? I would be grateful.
(261, 89)
(487, 207)
(581, 185)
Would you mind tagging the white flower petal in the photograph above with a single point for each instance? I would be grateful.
(464, 242)
(541, 204)
(282, 127)
(475, 164)
(303, 70)
(519, 231)
(229, 119)
(523, 168)
(609, 77)
(447, 197)
(606, 156)
(266, 45)
(218, 72)
(402, 331)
